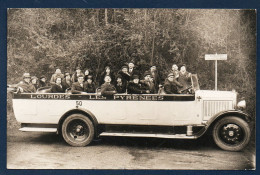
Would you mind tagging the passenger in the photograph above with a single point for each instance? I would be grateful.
(86, 74)
(184, 79)
(66, 82)
(147, 83)
(42, 82)
(78, 87)
(107, 72)
(57, 87)
(125, 76)
(156, 77)
(26, 86)
(55, 75)
(90, 85)
(175, 71)
(171, 85)
(120, 85)
(135, 87)
(76, 75)
(107, 89)
(131, 69)
(34, 80)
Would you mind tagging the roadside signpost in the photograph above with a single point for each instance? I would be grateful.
(216, 57)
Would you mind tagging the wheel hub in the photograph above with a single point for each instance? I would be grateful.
(231, 133)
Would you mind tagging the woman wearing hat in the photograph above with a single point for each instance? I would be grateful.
(135, 87)
(120, 85)
(42, 82)
(55, 75)
(147, 83)
(35, 82)
(90, 85)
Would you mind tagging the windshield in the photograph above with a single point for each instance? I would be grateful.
(195, 82)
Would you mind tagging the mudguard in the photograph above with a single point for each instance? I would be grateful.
(84, 111)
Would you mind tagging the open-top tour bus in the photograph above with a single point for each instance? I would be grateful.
(82, 117)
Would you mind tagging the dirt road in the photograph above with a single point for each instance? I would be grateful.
(49, 151)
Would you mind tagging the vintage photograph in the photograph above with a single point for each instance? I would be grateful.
(170, 89)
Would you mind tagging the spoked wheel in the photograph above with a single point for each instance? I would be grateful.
(231, 133)
(77, 130)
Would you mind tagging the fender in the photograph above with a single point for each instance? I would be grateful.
(84, 111)
(220, 115)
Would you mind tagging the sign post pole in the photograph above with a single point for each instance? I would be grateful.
(216, 57)
(216, 75)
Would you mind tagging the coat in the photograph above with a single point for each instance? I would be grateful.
(171, 87)
(90, 87)
(108, 90)
(65, 84)
(54, 76)
(121, 88)
(134, 88)
(76, 88)
(74, 77)
(57, 89)
(147, 85)
(185, 80)
(134, 72)
(156, 79)
(42, 84)
(27, 87)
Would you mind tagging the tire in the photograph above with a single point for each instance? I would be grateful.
(231, 133)
(78, 130)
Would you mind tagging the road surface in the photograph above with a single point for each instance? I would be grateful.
(49, 151)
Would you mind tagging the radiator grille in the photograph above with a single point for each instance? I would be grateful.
(212, 107)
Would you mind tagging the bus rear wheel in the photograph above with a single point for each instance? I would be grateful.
(78, 130)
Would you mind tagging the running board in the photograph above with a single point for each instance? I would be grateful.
(38, 129)
(171, 136)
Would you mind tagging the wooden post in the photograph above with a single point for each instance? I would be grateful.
(216, 75)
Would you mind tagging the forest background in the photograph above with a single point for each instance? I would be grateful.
(40, 40)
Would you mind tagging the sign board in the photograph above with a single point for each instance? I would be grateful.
(216, 57)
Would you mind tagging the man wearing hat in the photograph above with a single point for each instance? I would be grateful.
(55, 75)
(147, 83)
(66, 82)
(135, 87)
(171, 85)
(107, 89)
(79, 86)
(26, 86)
(76, 75)
(90, 85)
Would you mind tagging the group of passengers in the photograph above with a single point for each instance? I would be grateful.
(126, 80)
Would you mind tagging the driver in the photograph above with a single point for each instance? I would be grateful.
(184, 79)
(171, 85)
